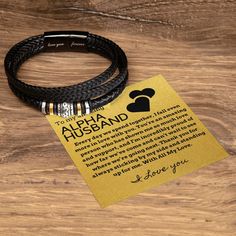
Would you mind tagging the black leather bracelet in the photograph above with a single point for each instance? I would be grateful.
(81, 98)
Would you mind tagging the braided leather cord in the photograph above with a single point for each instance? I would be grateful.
(99, 90)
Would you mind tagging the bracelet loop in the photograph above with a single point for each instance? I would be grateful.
(81, 98)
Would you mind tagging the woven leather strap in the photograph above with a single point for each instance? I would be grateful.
(95, 92)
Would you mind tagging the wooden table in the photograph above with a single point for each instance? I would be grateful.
(193, 44)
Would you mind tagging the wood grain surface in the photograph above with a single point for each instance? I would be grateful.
(193, 44)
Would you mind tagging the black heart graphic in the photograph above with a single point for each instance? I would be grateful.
(147, 91)
(141, 104)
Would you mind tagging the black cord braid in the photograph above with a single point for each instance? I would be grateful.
(97, 91)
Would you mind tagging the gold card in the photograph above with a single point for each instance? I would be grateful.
(145, 137)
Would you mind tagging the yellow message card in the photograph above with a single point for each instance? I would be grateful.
(145, 137)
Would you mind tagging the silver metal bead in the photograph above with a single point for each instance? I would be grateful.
(65, 109)
(87, 108)
(43, 108)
